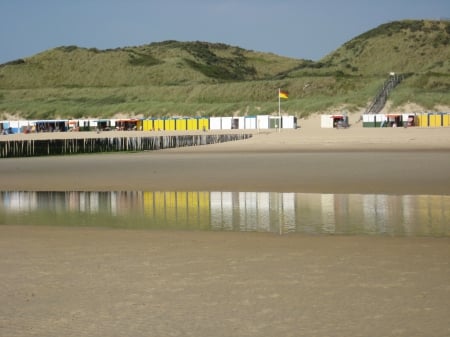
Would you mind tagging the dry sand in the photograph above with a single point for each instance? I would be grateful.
(105, 282)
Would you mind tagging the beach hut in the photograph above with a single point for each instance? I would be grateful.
(73, 125)
(169, 124)
(434, 120)
(262, 121)
(4, 125)
(238, 123)
(53, 125)
(368, 120)
(410, 120)
(147, 125)
(438, 119)
(128, 124)
(250, 122)
(446, 119)
(12, 127)
(192, 124)
(274, 122)
(226, 123)
(289, 122)
(181, 124)
(203, 124)
(27, 126)
(215, 123)
(334, 121)
(158, 124)
(106, 124)
(393, 120)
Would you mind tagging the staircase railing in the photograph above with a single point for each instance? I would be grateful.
(380, 99)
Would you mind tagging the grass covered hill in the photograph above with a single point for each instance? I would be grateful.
(205, 79)
(165, 63)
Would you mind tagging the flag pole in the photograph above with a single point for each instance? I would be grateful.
(279, 109)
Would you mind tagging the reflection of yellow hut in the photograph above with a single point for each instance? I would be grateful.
(433, 213)
(184, 209)
(204, 202)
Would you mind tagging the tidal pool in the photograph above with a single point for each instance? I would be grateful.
(272, 212)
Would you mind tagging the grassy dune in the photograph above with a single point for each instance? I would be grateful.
(198, 78)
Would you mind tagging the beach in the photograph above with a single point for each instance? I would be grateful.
(307, 159)
(60, 281)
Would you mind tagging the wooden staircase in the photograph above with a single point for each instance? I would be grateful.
(380, 99)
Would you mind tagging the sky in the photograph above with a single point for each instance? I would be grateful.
(293, 28)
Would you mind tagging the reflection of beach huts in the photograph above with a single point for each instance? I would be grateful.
(178, 209)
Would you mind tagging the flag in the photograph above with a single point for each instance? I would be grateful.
(283, 94)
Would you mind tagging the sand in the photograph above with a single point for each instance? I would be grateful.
(308, 159)
(58, 281)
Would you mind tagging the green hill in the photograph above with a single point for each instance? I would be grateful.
(163, 63)
(199, 78)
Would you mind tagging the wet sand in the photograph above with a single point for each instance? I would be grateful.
(59, 281)
(97, 282)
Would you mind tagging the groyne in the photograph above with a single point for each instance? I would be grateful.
(15, 148)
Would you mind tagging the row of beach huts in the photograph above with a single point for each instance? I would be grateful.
(425, 119)
(337, 120)
(151, 124)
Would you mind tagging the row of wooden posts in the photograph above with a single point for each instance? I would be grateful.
(54, 147)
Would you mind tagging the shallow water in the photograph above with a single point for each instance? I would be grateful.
(272, 212)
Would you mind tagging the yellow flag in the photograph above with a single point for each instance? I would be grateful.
(283, 94)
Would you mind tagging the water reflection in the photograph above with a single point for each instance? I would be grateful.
(408, 215)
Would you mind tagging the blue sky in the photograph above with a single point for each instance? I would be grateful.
(293, 28)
